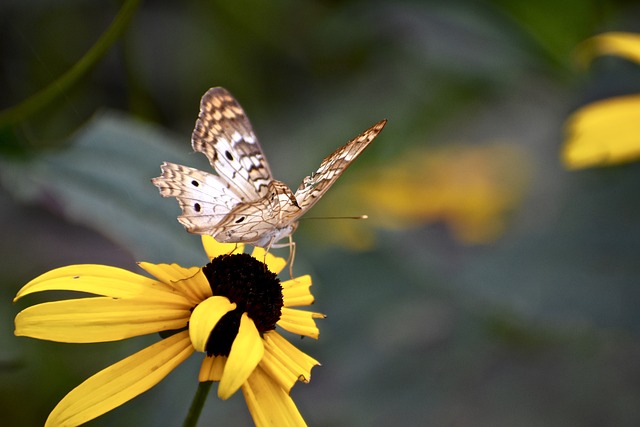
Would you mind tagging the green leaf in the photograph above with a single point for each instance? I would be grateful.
(102, 180)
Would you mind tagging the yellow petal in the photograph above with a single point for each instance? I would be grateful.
(214, 249)
(300, 322)
(99, 319)
(285, 363)
(168, 273)
(274, 263)
(269, 405)
(212, 368)
(190, 282)
(626, 45)
(296, 291)
(121, 382)
(246, 352)
(97, 279)
(603, 133)
(205, 317)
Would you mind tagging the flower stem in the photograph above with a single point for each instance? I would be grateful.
(197, 404)
(47, 95)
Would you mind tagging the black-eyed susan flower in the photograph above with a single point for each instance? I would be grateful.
(605, 132)
(228, 310)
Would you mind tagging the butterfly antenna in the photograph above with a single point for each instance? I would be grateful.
(336, 217)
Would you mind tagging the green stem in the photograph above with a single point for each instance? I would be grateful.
(47, 95)
(197, 404)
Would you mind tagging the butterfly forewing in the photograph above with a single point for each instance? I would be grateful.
(315, 185)
(224, 134)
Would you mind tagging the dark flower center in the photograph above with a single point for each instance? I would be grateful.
(256, 291)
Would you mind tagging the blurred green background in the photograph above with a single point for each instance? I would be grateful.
(491, 287)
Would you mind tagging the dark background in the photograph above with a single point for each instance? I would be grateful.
(527, 316)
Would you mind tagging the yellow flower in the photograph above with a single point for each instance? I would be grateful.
(228, 310)
(605, 132)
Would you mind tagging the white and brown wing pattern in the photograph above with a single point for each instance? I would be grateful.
(224, 134)
(262, 222)
(205, 198)
(316, 184)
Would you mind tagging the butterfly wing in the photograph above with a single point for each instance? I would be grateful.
(315, 185)
(205, 199)
(224, 134)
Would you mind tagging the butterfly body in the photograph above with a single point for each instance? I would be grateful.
(243, 203)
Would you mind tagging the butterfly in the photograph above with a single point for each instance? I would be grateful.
(243, 203)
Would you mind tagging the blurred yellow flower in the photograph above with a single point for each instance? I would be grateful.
(228, 310)
(470, 188)
(626, 45)
(605, 132)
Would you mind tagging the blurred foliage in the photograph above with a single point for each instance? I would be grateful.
(470, 188)
(536, 325)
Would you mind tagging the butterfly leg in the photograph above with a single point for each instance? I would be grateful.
(292, 252)
(292, 255)
(266, 251)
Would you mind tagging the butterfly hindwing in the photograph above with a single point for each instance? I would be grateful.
(224, 134)
(205, 199)
(263, 221)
